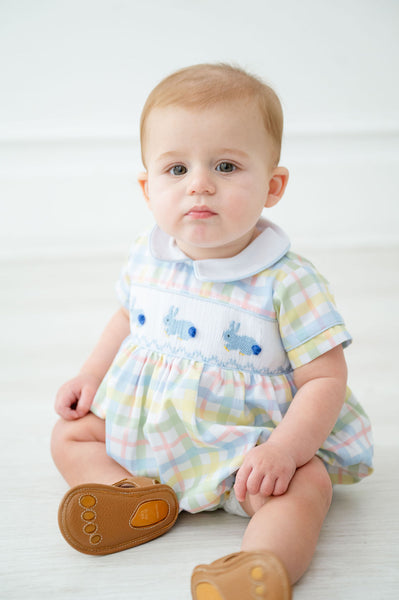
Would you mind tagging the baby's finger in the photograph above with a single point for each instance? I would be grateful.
(281, 486)
(85, 402)
(67, 412)
(254, 482)
(240, 486)
(268, 485)
(63, 403)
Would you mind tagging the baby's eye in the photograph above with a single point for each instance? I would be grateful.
(178, 170)
(226, 167)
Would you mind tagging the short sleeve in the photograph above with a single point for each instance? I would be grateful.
(137, 257)
(122, 286)
(309, 322)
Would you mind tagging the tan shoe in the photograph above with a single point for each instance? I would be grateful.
(101, 519)
(242, 576)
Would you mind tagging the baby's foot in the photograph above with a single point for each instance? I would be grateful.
(242, 576)
(101, 519)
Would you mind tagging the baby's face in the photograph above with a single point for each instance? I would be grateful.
(208, 175)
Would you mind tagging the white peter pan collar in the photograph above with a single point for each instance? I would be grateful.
(270, 245)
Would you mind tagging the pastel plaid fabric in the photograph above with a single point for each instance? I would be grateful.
(207, 373)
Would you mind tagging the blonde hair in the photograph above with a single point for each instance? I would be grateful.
(204, 85)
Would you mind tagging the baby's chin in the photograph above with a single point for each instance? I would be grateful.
(213, 250)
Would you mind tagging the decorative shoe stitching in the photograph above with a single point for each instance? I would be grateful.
(258, 580)
(89, 516)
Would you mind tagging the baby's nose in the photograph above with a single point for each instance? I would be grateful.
(201, 182)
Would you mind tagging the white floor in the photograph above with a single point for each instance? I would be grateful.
(51, 313)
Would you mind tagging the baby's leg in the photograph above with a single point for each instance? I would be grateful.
(97, 516)
(289, 525)
(78, 449)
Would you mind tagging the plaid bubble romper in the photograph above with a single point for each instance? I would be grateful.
(206, 372)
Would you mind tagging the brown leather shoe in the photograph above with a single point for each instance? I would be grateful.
(242, 576)
(101, 519)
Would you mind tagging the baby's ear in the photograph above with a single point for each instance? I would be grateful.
(143, 182)
(277, 184)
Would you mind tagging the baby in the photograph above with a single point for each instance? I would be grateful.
(221, 381)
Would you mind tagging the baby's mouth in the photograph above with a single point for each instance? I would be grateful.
(200, 212)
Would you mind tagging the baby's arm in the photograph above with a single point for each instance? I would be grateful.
(75, 397)
(321, 388)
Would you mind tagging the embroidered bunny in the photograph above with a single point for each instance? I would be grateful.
(183, 329)
(243, 343)
(136, 314)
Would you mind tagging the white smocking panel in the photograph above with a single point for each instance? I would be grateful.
(206, 330)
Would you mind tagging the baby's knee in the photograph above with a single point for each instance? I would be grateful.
(89, 428)
(58, 437)
(63, 432)
(320, 480)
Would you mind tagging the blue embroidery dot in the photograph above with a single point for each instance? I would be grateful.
(256, 349)
(141, 319)
(192, 332)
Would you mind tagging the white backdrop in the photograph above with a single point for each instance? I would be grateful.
(74, 75)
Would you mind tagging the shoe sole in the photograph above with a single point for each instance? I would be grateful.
(242, 576)
(101, 519)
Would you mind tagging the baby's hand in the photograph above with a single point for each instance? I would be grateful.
(267, 469)
(75, 397)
